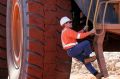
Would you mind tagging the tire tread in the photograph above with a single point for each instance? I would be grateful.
(3, 58)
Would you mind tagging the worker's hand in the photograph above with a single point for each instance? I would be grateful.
(92, 31)
(85, 28)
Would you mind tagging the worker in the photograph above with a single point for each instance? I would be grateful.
(80, 51)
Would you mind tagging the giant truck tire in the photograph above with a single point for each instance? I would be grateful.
(3, 58)
(34, 48)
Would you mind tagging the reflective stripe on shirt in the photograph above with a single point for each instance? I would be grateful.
(78, 36)
(70, 44)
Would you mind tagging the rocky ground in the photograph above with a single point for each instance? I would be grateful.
(113, 66)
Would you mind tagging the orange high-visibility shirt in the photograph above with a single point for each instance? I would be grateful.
(69, 36)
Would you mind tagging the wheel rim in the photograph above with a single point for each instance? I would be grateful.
(17, 35)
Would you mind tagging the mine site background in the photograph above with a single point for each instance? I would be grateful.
(112, 59)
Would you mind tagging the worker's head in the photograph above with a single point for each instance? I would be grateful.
(65, 22)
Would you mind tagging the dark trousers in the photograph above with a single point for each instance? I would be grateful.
(80, 51)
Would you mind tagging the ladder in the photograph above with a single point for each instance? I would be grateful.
(99, 38)
(101, 28)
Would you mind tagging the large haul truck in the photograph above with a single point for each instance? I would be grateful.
(30, 44)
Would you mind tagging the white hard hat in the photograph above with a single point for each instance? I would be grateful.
(63, 20)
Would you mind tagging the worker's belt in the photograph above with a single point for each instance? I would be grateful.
(67, 46)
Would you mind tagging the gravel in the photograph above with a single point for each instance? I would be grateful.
(112, 59)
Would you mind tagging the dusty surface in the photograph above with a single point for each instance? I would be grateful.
(113, 65)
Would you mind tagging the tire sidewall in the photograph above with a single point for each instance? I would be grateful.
(15, 73)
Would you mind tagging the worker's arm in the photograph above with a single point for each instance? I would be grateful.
(85, 34)
(77, 35)
(81, 31)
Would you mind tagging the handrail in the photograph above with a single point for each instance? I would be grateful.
(95, 20)
(103, 19)
(91, 2)
(88, 15)
(95, 15)
(97, 9)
